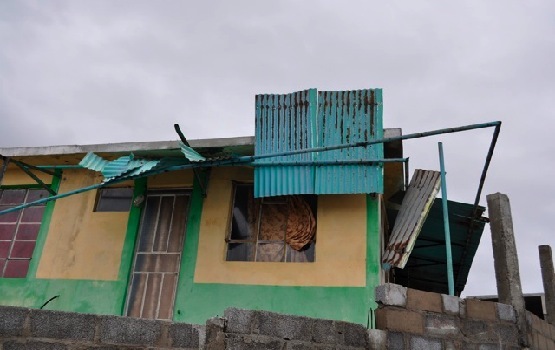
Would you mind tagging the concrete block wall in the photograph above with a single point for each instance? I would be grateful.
(245, 329)
(22, 328)
(420, 320)
(406, 319)
(541, 335)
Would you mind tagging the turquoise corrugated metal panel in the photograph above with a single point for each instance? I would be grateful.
(190, 153)
(348, 117)
(123, 166)
(93, 162)
(120, 166)
(146, 166)
(285, 123)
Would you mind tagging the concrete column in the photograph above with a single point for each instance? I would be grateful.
(5, 161)
(509, 289)
(546, 264)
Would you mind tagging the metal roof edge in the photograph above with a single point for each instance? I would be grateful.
(123, 147)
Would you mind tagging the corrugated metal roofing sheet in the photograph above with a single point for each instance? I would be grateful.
(426, 268)
(285, 123)
(190, 153)
(347, 117)
(423, 188)
(123, 166)
(93, 162)
(308, 119)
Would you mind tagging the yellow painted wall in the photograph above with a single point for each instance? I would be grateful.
(82, 244)
(340, 242)
(18, 177)
(173, 179)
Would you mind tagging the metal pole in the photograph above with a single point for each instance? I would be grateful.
(249, 159)
(450, 279)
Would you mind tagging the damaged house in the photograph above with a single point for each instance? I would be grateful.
(306, 218)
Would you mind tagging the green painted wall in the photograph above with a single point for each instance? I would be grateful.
(196, 302)
(98, 297)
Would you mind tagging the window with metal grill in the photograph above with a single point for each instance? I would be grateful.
(19, 230)
(271, 229)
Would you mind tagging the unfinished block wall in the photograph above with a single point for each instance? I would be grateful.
(405, 319)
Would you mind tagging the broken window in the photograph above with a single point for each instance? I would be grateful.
(19, 230)
(277, 229)
(114, 199)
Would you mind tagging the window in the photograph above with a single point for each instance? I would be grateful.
(19, 230)
(278, 229)
(114, 199)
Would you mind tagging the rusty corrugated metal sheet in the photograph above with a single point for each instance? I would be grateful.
(309, 119)
(347, 117)
(423, 188)
(285, 123)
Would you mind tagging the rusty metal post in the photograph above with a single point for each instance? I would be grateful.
(509, 289)
(546, 264)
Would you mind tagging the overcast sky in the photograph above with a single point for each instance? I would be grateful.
(76, 72)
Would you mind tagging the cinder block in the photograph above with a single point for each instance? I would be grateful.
(354, 335)
(507, 332)
(283, 326)
(488, 347)
(481, 310)
(239, 320)
(478, 331)
(441, 325)
(505, 312)
(451, 304)
(12, 321)
(33, 345)
(423, 301)
(454, 345)
(391, 294)
(545, 328)
(214, 336)
(184, 335)
(127, 330)
(62, 325)
(395, 341)
(326, 332)
(399, 320)
(377, 339)
(252, 342)
(201, 330)
(421, 343)
(462, 308)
